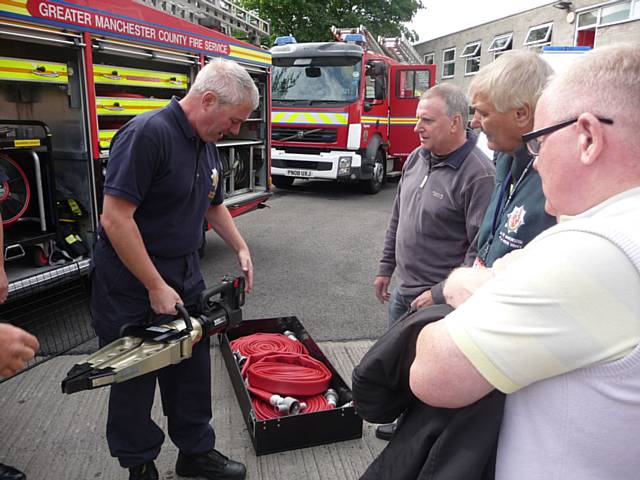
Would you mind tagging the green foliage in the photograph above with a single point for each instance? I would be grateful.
(311, 20)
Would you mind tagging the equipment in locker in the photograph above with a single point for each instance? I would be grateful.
(26, 190)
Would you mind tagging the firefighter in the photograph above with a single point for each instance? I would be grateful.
(163, 178)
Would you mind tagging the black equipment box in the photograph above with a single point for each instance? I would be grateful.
(292, 431)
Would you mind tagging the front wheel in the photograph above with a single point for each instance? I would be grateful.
(281, 181)
(374, 184)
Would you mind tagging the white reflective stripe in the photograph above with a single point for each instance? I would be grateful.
(353, 140)
(310, 118)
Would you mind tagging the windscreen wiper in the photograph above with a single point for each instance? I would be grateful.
(148, 348)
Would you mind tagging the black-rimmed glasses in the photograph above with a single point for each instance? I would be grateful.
(531, 139)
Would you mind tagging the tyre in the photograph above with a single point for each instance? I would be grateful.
(374, 184)
(282, 182)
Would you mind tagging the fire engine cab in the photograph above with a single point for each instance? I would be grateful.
(344, 110)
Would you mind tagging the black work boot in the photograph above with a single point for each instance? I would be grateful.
(386, 431)
(211, 465)
(10, 473)
(147, 471)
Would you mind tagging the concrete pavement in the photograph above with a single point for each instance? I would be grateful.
(52, 436)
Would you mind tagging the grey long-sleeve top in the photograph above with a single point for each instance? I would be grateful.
(434, 222)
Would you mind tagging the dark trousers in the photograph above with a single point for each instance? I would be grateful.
(117, 298)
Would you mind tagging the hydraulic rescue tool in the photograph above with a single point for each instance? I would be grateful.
(148, 348)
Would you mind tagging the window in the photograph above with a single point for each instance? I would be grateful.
(617, 12)
(539, 35)
(412, 83)
(500, 44)
(590, 20)
(449, 63)
(471, 54)
(429, 58)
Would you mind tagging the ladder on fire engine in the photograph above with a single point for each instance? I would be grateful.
(399, 49)
(367, 40)
(395, 47)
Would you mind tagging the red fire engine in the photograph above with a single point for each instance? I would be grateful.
(344, 110)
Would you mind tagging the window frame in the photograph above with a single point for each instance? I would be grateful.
(477, 44)
(472, 57)
(433, 58)
(634, 15)
(493, 48)
(449, 62)
(545, 40)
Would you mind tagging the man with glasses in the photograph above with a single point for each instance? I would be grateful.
(558, 327)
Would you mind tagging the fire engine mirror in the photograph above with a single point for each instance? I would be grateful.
(312, 72)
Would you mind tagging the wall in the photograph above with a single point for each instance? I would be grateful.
(562, 34)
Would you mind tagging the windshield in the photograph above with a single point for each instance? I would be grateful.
(321, 79)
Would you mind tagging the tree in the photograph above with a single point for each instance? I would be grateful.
(311, 20)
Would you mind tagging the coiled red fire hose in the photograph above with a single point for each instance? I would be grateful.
(277, 365)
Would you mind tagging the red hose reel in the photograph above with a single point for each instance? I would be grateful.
(15, 192)
(282, 378)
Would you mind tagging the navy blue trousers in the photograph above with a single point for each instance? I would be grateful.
(118, 298)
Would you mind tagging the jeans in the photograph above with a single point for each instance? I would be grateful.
(399, 305)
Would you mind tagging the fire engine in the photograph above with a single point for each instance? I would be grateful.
(71, 73)
(344, 110)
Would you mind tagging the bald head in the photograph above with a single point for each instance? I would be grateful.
(597, 155)
(605, 82)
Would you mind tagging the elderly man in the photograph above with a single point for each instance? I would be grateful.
(163, 179)
(558, 328)
(443, 194)
(504, 95)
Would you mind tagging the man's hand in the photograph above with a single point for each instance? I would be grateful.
(17, 347)
(463, 282)
(381, 288)
(163, 300)
(425, 299)
(244, 259)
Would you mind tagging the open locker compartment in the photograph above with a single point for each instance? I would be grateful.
(42, 125)
(292, 431)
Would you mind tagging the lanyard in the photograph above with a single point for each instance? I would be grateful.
(497, 214)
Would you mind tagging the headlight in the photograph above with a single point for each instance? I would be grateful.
(344, 165)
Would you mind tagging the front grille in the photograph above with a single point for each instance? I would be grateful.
(317, 135)
(320, 166)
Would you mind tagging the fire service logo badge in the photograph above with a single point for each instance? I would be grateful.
(515, 219)
(214, 183)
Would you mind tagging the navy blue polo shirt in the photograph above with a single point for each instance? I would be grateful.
(159, 163)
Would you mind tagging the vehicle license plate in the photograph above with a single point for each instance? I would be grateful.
(299, 173)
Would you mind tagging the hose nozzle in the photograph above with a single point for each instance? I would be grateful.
(287, 405)
(332, 397)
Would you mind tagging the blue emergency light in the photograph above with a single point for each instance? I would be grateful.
(286, 40)
(354, 37)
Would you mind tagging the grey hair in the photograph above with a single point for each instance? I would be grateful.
(604, 81)
(454, 99)
(229, 81)
(515, 78)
